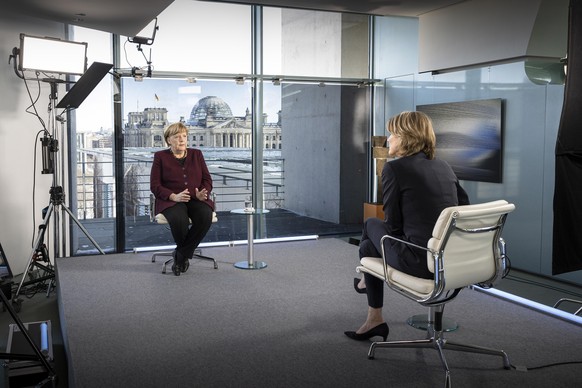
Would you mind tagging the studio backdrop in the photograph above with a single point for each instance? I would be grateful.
(567, 235)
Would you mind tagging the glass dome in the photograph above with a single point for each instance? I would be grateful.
(209, 108)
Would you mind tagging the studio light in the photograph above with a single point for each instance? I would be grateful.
(52, 55)
(149, 38)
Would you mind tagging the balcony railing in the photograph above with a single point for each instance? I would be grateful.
(232, 180)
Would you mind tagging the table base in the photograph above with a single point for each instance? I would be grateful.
(246, 265)
(421, 322)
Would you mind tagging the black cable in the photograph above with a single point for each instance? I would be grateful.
(545, 366)
(34, 101)
(125, 51)
(507, 267)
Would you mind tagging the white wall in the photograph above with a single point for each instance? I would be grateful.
(18, 129)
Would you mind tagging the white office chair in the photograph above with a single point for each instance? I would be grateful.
(160, 219)
(466, 248)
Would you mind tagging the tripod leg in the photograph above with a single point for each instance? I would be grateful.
(82, 228)
(27, 337)
(36, 246)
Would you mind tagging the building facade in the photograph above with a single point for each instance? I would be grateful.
(211, 124)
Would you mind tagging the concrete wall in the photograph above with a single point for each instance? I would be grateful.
(312, 150)
(325, 151)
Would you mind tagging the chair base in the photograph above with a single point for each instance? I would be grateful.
(420, 322)
(439, 344)
(197, 255)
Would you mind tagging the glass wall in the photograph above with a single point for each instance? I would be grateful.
(313, 124)
(92, 180)
(196, 36)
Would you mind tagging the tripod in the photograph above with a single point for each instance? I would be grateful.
(57, 200)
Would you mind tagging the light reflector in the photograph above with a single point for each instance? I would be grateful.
(52, 55)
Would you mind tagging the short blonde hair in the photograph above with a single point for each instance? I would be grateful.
(415, 131)
(174, 129)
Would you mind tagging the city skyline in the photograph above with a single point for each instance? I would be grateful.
(179, 97)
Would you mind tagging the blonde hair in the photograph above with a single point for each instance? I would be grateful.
(174, 129)
(415, 131)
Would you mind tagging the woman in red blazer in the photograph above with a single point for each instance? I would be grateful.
(416, 187)
(181, 183)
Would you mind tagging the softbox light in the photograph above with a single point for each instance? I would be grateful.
(52, 55)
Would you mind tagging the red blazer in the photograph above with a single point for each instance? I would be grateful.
(168, 176)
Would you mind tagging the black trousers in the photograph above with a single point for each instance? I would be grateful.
(404, 258)
(370, 247)
(186, 236)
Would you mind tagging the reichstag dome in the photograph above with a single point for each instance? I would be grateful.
(209, 107)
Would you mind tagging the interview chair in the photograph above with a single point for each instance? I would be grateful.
(161, 220)
(466, 249)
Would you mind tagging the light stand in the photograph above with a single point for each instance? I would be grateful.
(57, 200)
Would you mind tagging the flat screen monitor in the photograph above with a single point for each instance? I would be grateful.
(469, 137)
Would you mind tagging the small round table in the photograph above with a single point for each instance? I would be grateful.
(250, 263)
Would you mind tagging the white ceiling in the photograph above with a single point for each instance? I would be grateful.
(128, 17)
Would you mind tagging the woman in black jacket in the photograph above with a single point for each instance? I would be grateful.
(416, 187)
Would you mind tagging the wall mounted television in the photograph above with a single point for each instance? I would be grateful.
(469, 136)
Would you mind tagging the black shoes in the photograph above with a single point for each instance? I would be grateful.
(358, 289)
(185, 265)
(381, 331)
(176, 264)
(180, 263)
(175, 269)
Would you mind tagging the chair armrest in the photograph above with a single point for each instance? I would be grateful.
(404, 242)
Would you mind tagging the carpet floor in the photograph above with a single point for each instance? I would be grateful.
(125, 324)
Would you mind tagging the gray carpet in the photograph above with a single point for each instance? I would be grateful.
(127, 325)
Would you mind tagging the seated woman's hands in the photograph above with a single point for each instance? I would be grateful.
(184, 196)
(202, 195)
